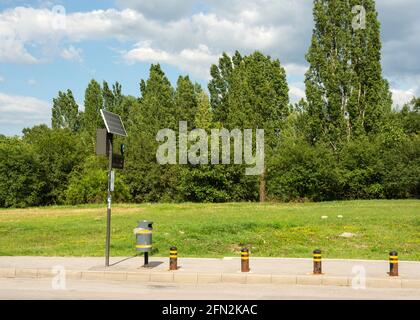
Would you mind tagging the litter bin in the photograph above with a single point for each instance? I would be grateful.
(143, 234)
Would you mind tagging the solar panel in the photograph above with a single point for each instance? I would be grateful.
(113, 123)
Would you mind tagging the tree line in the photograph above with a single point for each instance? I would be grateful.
(344, 141)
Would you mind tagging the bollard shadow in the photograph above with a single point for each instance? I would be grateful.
(152, 264)
(121, 261)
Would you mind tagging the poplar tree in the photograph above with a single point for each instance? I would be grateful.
(250, 92)
(65, 112)
(93, 104)
(148, 180)
(346, 92)
(112, 99)
(186, 101)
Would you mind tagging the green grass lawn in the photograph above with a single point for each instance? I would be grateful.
(216, 230)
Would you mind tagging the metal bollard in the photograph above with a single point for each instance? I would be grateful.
(244, 260)
(317, 261)
(393, 264)
(173, 258)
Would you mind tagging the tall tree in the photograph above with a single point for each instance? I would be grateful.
(203, 117)
(345, 89)
(148, 180)
(251, 92)
(108, 97)
(127, 103)
(112, 99)
(220, 82)
(93, 104)
(65, 112)
(186, 101)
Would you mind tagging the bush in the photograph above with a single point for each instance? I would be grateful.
(89, 184)
(298, 170)
(402, 171)
(21, 179)
(359, 170)
(59, 152)
(217, 183)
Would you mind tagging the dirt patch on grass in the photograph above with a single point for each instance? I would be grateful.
(236, 248)
(66, 211)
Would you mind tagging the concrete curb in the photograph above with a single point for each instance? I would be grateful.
(206, 278)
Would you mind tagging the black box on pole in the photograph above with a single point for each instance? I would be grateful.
(117, 161)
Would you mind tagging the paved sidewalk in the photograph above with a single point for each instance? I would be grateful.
(197, 270)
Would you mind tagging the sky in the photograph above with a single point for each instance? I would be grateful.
(48, 46)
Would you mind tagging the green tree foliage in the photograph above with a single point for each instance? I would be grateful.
(213, 183)
(345, 73)
(112, 99)
(186, 101)
(65, 112)
(130, 106)
(410, 117)
(59, 152)
(258, 96)
(21, 173)
(402, 170)
(313, 151)
(220, 83)
(203, 118)
(93, 104)
(88, 183)
(364, 168)
(250, 92)
(148, 180)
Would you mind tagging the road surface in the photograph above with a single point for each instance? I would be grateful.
(11, 289)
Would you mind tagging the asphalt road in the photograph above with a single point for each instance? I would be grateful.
(11, 289)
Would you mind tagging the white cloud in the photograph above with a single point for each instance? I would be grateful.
(23, 111)
(192, 34)
(218, 32)
(296, 92)
(72, 53)
(195, 61)
(160, 9)
(293, 69)
(13, 50)
(401, 97)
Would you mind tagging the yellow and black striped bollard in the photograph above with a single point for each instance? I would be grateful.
(317, 261)
(244, 260)
(173, 258)
(393, 264)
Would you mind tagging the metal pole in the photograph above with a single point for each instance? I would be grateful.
(146, 259)
(108, 218)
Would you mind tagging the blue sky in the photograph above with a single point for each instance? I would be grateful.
(44, 49)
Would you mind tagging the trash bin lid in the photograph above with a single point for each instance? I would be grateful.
(145, 224)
